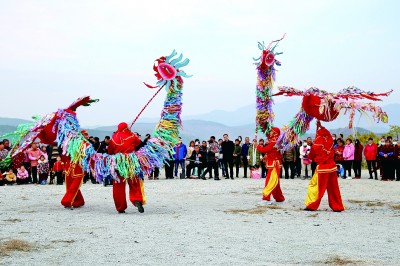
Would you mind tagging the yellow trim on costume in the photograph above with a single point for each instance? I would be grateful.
(142, 190)
(326, 171)
(73, 199)
(313, 191)
(272, 183)
(274, 162)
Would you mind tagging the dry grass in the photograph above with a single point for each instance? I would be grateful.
(337, 260)
(9, 220)
(358, 201)
(257, 210)
(395, 207)
(28, 211)
(274, 207)
(14, 245)
(368, 203)
(375, 204)
(63, 241)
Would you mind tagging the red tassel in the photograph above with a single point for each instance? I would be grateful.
(150, 86)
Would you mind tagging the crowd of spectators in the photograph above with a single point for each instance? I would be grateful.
(212, 157)
(43, 164)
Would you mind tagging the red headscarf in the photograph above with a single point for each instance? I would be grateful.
(123, 140)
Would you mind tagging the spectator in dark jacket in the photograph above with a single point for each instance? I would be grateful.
(237, 155)
(169, 167)
(397, 160)
(358, 151)
(386, 153)
(245, 153)
(227, 152)
(212, 163)
(195, 161)
(289, 159)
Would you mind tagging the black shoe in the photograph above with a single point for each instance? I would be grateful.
(245, 177)
(232, 178)
(307, 209)
(121, 211)
(139, 206)
(210, 177)
(203, 177)
(227, 177)
(217, 178)
(370, 177)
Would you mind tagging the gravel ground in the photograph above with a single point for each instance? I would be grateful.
(203, 223)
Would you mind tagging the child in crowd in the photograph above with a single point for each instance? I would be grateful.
(10, 177)
(22, 175)
(58, 169)
(43, 170)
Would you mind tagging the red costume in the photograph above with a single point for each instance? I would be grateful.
(124, 141)
(325, 177)
(273, 162)
(73, 181)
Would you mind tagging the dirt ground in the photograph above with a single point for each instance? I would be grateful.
(201, 223)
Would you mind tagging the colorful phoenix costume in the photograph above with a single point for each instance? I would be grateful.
(325, 106)
(265, 118)
(62, 128)
(325, 176)
(273, 162)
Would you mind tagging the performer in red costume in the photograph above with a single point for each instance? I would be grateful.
(273, 162)
(124, 141)
(325, 177)
(74, 174)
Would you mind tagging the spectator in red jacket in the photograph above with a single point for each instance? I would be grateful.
(339, 152)
(357, 159)
(58, 169)
(370, 153)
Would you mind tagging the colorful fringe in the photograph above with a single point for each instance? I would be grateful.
(265, 83)
(292, 132)
(343, 100)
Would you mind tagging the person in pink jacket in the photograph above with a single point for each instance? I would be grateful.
(370, 153)
(34, 154)
(22, 176)
(348, 156)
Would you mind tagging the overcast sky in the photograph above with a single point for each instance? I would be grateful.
(52, 52)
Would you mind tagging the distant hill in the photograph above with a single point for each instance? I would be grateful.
(240, 122)
(284, 112)
(12, 121)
